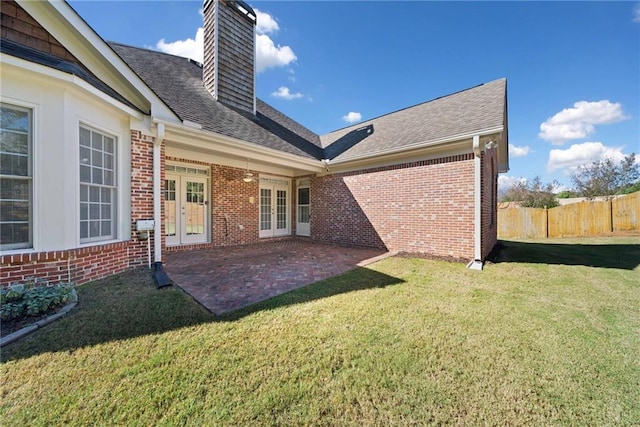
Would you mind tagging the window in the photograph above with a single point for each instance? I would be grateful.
(98, 190)
(16, 178)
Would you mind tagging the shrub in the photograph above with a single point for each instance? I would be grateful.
(32, 298)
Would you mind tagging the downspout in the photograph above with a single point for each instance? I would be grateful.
(477, 263)
(157, 193)
(159, 276)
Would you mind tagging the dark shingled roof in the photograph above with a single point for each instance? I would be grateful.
(473, 110)
(178, 82)
(27, 53)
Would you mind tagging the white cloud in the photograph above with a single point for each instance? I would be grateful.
(519, 151)
(266, 24)
(352, 117)
(189, 48)
(506, 181)
(581, 154)
(636, 13)
(284, 93)
(578, 122)
(268, 55)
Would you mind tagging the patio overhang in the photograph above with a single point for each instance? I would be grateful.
(189, 142)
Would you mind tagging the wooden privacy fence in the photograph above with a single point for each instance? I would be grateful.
(589, 218)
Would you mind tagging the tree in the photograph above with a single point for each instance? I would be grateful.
(532, 194)
(606, 177)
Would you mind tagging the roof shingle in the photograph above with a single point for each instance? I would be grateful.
(178, 82)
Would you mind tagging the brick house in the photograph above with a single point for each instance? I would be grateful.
(96, 136)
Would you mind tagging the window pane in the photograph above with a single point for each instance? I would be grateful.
(94, 211)
(94, 194)
(84, 193)
(14, 164)
(303, 196)
(96, 158)
(96, 141)
(108, 161)
(14, 142)
(108, 144)
(106, 228)
(98, 174)
(106, 195)
(85, 174)
(14, 119)
(84, 230)
(15, 193)
(94, 229)
(85, 137)
(84, 211)
(108, 178)
(105, 212)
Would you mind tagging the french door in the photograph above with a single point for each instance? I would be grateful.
(274, 208)
(303, 217)
(185, 209)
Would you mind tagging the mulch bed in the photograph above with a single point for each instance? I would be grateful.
(11, 326)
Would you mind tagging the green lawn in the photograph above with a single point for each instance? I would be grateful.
(549, 335)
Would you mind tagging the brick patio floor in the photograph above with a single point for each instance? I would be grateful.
(228, 278)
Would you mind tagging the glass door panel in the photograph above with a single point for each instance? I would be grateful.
(193, 210)
(185, 209)
(170, 211)
(265, 212)
(303, 225)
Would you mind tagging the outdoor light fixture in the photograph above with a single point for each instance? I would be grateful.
(248, 176)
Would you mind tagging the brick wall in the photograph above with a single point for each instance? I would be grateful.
(489, 200)
(81, 265)
(420, 207)
(234, 208)
(141, 194)
(20, 27)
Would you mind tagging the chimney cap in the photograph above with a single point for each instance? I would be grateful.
(239, 6)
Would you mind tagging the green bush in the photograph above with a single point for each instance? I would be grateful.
(32, 299)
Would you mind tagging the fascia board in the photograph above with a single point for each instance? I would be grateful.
(51, 76)
(420, 145)
(84, 43)
(205, 141)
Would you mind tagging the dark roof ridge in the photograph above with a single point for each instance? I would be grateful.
(362, 122)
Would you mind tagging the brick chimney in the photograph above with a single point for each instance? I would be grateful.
(229, 53)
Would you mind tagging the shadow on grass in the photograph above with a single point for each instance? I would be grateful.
(128, 305)
(355, 280)
(621, 256)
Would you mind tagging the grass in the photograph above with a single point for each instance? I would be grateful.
(550, 334)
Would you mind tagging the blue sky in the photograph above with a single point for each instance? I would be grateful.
(573, 68)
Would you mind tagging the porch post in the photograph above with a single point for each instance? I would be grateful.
(157, 193)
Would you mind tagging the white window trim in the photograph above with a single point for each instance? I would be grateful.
(33, 138)
(117, 187)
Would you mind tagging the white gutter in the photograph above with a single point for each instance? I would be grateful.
(420, 144)
(157, 188)
(476, 263)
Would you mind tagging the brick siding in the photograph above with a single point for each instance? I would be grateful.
(419, 207)
(81, 265)
(489, 202)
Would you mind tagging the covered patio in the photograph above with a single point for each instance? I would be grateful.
(224, 279)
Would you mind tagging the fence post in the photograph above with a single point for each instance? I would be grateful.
(611, 215)
(546, 222)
